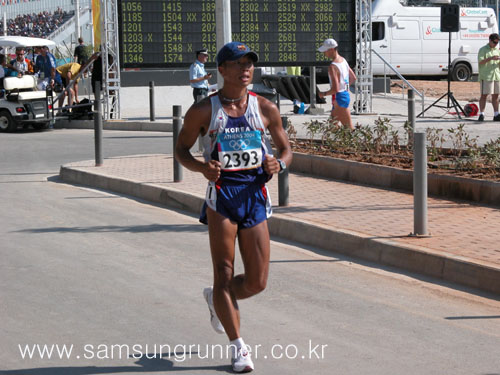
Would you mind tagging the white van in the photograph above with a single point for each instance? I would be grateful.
(409, 38)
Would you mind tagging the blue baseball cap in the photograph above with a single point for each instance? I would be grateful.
(234, 51)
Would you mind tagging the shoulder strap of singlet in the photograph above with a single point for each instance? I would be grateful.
(253, 112)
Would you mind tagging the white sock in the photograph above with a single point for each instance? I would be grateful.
(481, 113)
(236, 346)
(495, 114)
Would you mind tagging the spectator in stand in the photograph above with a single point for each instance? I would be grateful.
(79, 54)
(37, 25)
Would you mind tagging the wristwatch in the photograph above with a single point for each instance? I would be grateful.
(282, 166)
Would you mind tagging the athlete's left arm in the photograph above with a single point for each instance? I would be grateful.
(272, 121)
(352, 76)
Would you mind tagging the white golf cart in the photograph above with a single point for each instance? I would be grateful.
(20, 102)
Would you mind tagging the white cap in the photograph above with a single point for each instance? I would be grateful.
(328, 44)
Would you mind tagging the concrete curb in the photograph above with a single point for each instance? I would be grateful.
(461, 270)
(486, 192)
(416, 259)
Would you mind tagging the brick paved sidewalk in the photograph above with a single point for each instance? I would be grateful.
(458, 228)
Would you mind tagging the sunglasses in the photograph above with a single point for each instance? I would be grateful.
(494, 41)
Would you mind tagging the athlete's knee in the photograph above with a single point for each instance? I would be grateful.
(224, 273)
(256, 286)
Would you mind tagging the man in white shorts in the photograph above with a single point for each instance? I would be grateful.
(489, 75)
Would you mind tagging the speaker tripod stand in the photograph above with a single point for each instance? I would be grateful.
(451, 101)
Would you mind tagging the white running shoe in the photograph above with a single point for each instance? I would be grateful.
(242, 362)
(208, 293)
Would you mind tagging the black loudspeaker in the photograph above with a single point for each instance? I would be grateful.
(450, 18)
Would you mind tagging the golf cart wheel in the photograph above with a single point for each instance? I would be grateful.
(7, 123)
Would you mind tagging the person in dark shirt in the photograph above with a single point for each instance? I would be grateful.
(97, 74)
(80, 56)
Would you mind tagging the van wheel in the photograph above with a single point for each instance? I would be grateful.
(461, 72)
(7, 123)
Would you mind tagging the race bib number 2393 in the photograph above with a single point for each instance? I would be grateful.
(240, 151)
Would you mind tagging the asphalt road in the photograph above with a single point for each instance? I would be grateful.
(111, 277)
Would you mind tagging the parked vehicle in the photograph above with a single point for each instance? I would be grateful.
(20, 102)
(410, 39)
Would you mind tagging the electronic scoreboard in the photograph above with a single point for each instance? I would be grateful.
(165, 34)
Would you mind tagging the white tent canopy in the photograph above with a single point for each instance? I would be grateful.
(24, 41)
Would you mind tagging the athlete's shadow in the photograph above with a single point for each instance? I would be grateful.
(147, 363)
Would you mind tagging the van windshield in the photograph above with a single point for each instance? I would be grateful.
(378, 31)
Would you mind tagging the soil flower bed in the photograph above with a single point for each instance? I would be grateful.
(384, 145)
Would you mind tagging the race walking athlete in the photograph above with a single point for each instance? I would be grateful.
(340, 75)
(237, 164)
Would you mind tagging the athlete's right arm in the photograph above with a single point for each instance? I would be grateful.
(196, 122)
(333, 73)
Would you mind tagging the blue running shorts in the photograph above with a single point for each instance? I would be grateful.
(246, 205)
(343, 99)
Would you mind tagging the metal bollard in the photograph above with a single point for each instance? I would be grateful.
(177, 122)
(199, 98)
(312, 86)
(283, 187)
(411, 108)
(419, 185)
(151, 100)
(411, 114)
(98, 125)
